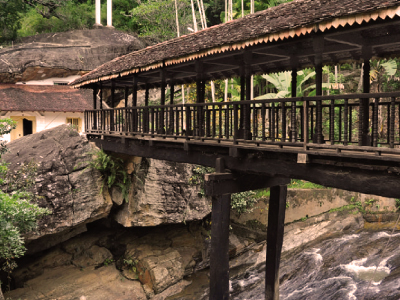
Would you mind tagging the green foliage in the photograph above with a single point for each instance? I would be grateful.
(162, 27)
(17, 214)
(302, 184)
(398, 204)
(9, 19)
(108, 262)
(243, 202)
(113, 171)
(70, 15)
(198, 173)
(6, 125)
(131, 264)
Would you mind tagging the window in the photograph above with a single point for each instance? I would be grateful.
(75, 123)
(60, 82)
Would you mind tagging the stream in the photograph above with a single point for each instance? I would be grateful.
(344, 266)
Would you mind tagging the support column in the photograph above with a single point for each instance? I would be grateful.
(276, 219)
(219, 254)
(161, 118)
(98, 13)
(146, 118)
(109, 13)
(112, 112)
(171, 111)
(293, 121)
(134, 110)
(94, 125)
(199, 128)
(318, 49)
(365, 138)
(246, 112)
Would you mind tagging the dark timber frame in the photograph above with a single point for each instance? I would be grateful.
(326, 139)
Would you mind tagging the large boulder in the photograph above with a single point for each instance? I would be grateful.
(69, 189)
(64, 54)
(162, 194)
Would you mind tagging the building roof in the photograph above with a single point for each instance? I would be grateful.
(293, 19)
(54, 98)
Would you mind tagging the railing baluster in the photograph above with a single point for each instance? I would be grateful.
(213, 120)
(312, 123)
(332, 122)
(220, 121)
(306, 124)
(188, 117)
(319, 122)
(273, 121)
(301, 124)
(263, 115)
(283, 139)
(350, 124)
(375, 123)
(340, 124)
(293, 123)
(227, 122)
(392, 121)
(346, 121)
(388, 124)
(235, 122)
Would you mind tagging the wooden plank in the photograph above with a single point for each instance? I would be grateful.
(219, 254)
(276, 218)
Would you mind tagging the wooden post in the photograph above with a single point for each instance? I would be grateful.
(293, 124)
(246, 112)
(146, 110)
(276, 219)
(318, 45)
(199, 99)
(247, 126)
(219, 255)
(134, 104)
(364, 139)
(94, 125)
(171, 112)
(161, 124)
(112, 106)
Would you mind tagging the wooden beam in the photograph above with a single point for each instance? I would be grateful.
(223, 183)
(276, 220)
(351, 172)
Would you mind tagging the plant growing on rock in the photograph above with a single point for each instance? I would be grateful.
(17, 214)
(113, 171)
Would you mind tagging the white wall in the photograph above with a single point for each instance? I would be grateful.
(45, 120)
(50, 81)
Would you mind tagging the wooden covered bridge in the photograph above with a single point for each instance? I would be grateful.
(332, 140)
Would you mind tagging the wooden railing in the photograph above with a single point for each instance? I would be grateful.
(316, 122)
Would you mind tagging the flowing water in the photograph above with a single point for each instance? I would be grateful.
(346, 266)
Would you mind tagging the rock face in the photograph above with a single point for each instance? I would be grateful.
(160, 192)
(162, 195)
(68, 188)
(63, 54)
(117, 263)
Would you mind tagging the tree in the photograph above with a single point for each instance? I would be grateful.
(48, 8)
(17, 214)
(162, 27)
(10, 14)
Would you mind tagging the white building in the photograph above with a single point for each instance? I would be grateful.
(39, 107)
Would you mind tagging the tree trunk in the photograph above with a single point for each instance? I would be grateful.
(1, 295)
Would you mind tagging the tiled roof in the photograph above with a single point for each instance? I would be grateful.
(291, 19)
(21, 97)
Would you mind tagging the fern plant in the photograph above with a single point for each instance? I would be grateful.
(112, 170)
